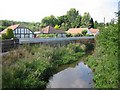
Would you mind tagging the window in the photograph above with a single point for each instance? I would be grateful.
(28, 31)
(22, 35)
(18, 35)
(15, 30)
(22, 30)
(26, 36)
(18, 30)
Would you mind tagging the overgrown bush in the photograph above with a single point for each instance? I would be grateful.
(104, 61)
(89, 47)
(32, 66)
(27, 75)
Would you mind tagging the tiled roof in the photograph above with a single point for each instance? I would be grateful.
(51, 30)
(13, 27)
(94, 31)
(76, 30)
(79, 30)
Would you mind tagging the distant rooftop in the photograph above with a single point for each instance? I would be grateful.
(51, 30)
(11, 27)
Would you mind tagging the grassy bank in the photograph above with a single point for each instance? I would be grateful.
(104, 61)
(31, 66)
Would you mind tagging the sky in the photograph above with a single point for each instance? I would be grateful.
(36, 10)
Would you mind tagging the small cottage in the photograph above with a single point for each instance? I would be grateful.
(20, 32)
(91, 31)
(51, 30)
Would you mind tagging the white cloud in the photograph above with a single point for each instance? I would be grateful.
(35, 10)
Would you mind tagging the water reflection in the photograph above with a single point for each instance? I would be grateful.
(78, 77)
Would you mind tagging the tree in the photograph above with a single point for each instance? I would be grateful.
(50, 20)
(73, 18)
(65, 26)
(78, 21)
(91, 23)
(57, 27)
(62, 19)
(6, 23)
(63, 22)
(85, 19)
(96, 24)
(9, 33)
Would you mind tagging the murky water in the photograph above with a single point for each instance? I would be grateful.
(78, 77)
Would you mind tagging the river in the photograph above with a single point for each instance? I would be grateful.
(78, 76)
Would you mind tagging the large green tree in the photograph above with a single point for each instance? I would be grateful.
(73, 18)
(96, 24)
(85, 19)
(91, 23)
(49, 20)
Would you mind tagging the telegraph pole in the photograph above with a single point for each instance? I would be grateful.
(104, 20)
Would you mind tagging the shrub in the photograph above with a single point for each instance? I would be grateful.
(27, 74)
(75, 48)
(68, 35)
(27, 70)
(89, 35)
(78, 35)
(104, 61)
(84, 32)
(47, 35)
(3, 36)
(57, 27)
(9, 33)
(89, 47)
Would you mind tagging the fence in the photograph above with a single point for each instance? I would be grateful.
(9, 44)
(57, 41)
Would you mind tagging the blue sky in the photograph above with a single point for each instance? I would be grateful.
(35, 10)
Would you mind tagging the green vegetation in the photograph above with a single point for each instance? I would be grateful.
(68, 35)
(78, 35)
(72, 19)
(104, 61)
(91, 23)
(89, 35)
(49, 20)
(47, 35)
(8, 35)
(3, 36)
(34, 26)
(84, 32)
(57, 27)
(31, 66)
(85, 20)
